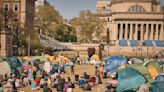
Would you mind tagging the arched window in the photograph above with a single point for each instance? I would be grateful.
(136, 8)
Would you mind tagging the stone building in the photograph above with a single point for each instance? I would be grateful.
(40, 3)
(133, 23)
(20, 12)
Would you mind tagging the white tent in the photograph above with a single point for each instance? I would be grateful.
(4, 68)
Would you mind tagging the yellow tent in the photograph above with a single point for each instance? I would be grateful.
(95, 57)
(153, 71)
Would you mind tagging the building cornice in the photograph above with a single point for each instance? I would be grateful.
(133, 1)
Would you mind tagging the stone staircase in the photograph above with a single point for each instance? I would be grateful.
(47, 41)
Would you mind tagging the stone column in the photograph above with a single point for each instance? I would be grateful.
(131, 31)
(142, 31)
(146, 33)
(121, 31)
(136, 32)
(152, 31)
(157, 32)
(126, 31)
(6, 44)
(161, 32)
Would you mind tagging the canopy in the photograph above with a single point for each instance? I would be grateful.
(143, 70)
(41, 58)
(5, 68)
(114, 62)
(129, 79)
(157, 86)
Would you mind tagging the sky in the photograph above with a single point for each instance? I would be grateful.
(72, 8)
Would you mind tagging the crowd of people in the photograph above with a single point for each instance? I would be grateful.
(47, 77)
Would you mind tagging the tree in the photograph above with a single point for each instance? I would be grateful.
(47, 18)
(91, 26)
(50, 22)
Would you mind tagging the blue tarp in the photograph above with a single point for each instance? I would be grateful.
(123, 43)
(129, 79)
(148, 43)
(159, 43)
(114, 62)
(133, 43)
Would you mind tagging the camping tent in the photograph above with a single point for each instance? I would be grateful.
(129, 79)
(4, 68)
(143, 70)
(95, 57)
(157, 86)
(114, 62)
(40, 58)
(136, 60)
(154, 69)
(15, 62)
(160, 78)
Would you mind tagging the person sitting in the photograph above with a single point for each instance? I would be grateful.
(46, 88)
(86, 76)
(76, 78)
(82, 82)
(37, 80)
(34, 86)
(69, 89)
(87, 87)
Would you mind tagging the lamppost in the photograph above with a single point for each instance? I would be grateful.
(108, 40)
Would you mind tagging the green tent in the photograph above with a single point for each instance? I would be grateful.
(15, 62)
(37, 58)
(129, 79)
(157, 86)
(143, 70)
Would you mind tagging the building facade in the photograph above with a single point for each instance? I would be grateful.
(40, 3)
(20, 13)
(133, 22)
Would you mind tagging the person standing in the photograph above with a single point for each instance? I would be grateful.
(97, 74)
(47, 66)
(72, 69)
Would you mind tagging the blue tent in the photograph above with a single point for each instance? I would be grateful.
(114, 62)
(129, 79)
(160, 78)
